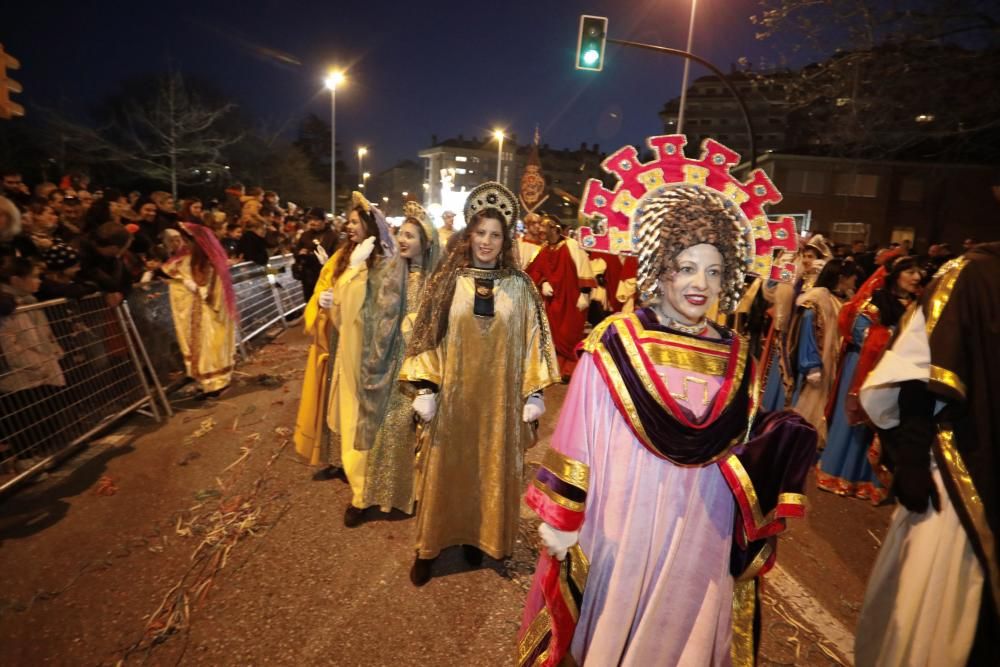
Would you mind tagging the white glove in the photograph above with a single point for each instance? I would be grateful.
(583, 302)
(814, 376)
(547, 290)
(425, 405)
(557, 542)
(321, 254)
(362, 251)
(534, 408)
(326, 299)
(191, 285)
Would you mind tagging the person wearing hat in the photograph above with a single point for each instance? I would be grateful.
(481, 342)
(565, 285)
(203, 304)
(59, 281)
(447, 228)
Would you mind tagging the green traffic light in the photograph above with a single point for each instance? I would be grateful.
(590, 57)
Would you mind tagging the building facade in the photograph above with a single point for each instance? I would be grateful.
(880, 201)
(711, 111)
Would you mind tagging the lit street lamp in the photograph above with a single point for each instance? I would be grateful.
(687, 70)
(333, 79)
(498, 135)
(362, 152)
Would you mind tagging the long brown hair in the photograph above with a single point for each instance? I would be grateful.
(371, 229)
(431, 322)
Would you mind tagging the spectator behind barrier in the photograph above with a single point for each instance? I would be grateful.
(101, 261)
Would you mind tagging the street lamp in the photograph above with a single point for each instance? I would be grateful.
(498, 135)
(333, 79)
(687, 70)
(362, 152)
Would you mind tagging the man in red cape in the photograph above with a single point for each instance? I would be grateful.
(566, 293)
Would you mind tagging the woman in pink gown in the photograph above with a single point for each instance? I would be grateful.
(664, 489)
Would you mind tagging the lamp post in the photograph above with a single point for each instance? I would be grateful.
(362, 152)
(333, 79)
(498, 135)
(687, 70)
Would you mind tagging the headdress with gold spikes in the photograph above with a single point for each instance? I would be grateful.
(618, 225)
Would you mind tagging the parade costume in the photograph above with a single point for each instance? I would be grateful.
(669, 484)
(482, 344)
(558, 267)
(385, 420)
(813, 347)
(204, 309)
(867, 323)
(310, 421)
(933, 597)
(350, 290)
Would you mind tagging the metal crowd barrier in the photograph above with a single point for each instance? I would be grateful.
(69, 369)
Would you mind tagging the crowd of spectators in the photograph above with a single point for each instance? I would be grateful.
(71, 241)
(88, 240)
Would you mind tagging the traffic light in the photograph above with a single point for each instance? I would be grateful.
(590, 44)
(8, 109)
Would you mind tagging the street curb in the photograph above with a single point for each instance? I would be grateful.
(804, 604)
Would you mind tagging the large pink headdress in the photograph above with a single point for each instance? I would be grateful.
(617, 220)
(216, 254)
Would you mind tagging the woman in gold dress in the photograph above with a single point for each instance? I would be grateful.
(385, 424)
(480, 355)
(204, 310)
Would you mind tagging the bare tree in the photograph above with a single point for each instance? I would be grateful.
(161, 130)
(887, 78)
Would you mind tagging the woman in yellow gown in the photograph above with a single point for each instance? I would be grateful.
(481, 342)
(340, 297)
(204, 310)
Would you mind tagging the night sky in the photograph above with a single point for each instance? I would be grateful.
(414, 69)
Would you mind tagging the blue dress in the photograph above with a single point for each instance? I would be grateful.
(843, 467)
(808, 355)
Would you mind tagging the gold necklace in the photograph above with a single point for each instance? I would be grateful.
(696, 329)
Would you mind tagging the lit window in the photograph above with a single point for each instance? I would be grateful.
(460, 171)
(461, 158)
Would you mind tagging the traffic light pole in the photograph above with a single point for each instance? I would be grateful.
(690, 56)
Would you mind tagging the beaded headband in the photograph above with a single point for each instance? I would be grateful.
(493, 195)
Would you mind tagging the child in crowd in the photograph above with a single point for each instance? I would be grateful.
(30, 374)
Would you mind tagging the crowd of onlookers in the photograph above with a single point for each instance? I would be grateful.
(70, 241)
(79, 240)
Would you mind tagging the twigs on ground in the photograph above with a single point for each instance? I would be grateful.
(242, 511)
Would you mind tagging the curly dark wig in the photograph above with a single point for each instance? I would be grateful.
(683, 217)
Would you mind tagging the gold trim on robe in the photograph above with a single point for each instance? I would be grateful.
(948, 379)
(568, 470)
(950, 459)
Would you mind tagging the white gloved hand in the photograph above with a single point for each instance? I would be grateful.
(425, 405)
(547, 290)
(534, 408)
(557, 542)
(321, 254)
(814, 376)
(326, 299)
(583, 302)
(191, 285)
(362, 251)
